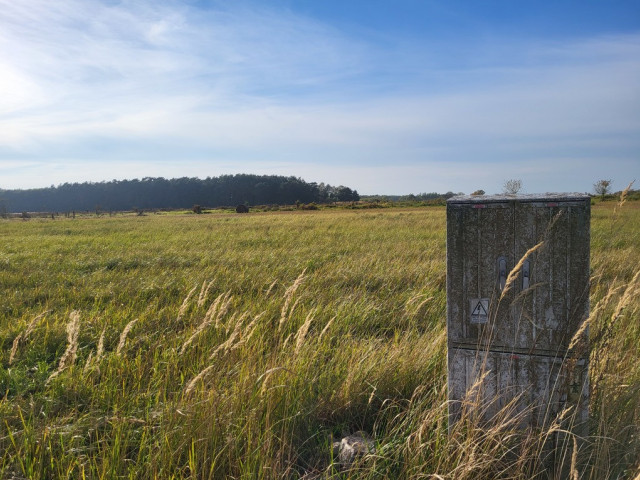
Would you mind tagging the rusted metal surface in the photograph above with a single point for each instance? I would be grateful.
(517, 328)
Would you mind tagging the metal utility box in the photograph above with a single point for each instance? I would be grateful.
(511, 316)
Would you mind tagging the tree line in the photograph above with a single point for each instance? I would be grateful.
(161, 193)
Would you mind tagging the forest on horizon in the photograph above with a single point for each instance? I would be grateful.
(161, 193)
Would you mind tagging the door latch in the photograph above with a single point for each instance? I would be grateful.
(502, 271)
(525, 275)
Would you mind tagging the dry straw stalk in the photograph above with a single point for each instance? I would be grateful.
(288, 296)
(123, 335)
(204, 292)
(215, 313)
(21, 338)
(194, 381)
(69, 356)
(185, 303)
(513, 274)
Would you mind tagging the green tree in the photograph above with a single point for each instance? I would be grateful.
(602, 187)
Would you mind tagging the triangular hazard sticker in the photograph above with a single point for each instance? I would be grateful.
(479, 309)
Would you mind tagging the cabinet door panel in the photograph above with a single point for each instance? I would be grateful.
(476, 239)
(550, 310)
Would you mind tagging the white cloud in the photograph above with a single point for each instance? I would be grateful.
(263, 90)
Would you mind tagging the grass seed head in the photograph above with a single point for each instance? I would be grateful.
(123, 335)
(100, 351)
(204, 292)
(69, 356)
(185, 303)
(214, 314)
(326, 328)
(513, 274)
(22, 337)
(623, 198)
(302, 332)
(194, 381)
(288, 296)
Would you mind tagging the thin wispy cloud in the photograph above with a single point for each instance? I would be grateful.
(168, 88)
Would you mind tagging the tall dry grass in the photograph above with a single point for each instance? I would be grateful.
(361, 298)
(70, 354)
(123, 336)
(24, 336)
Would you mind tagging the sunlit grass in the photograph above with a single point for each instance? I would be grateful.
(301, 326)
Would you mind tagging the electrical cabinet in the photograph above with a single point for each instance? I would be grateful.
(517, 297)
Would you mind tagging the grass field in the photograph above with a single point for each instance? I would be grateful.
(239, 346)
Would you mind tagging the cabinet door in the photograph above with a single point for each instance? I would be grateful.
(479, 238)
(552, 300)
(532, 388)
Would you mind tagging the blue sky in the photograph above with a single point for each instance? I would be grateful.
(389, 97)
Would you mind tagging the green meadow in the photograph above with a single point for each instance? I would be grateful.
(183, 346)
